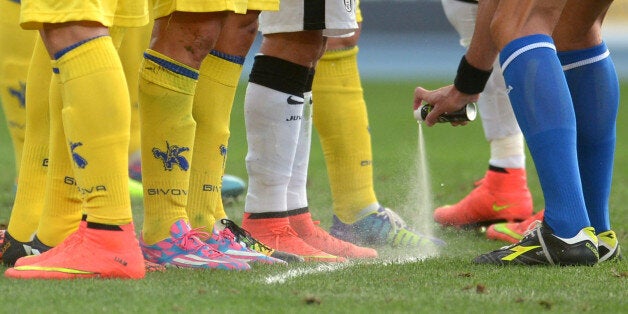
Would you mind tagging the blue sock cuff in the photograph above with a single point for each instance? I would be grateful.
(574, 58)
(523, 44)
(172, 66)
(67, 49)
(231, 58)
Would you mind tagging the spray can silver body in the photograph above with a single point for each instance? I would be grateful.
(467, 113)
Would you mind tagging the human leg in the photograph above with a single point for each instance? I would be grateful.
(167, 134)
(274, 105)
(84, 57)
(341, 120)
(28, 204)
(503, 193)
(565, 236)
(218, 78)
(15, 56)
(274, 100)
(594, 88)
(219, 75)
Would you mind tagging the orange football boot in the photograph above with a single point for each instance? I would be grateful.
(312, 234)
(279, 235)
(512, 231)
(92, 253)
(502, 195)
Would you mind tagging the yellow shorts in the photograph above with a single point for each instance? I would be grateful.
(123, 13)
(17, 43)
(358, 12)
(163, 8)
(240, 6)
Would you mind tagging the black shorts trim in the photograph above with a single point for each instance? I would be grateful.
(313, 15)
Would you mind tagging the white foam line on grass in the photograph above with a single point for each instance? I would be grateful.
(299, 272)
(404, 260)
(332, 267)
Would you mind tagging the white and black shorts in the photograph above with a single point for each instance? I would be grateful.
(335, 17)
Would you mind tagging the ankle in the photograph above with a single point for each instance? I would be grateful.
(499, 178)
(301, 220)
(116, 236)
(257, 223)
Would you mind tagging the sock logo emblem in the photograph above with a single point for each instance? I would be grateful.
(78, 159)
(171, 157)
(223, 153)
(19, 93)
(294, 118)
(293, 100)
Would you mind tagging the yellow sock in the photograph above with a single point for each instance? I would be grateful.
(15, 55)
(135, 42)
(29, 202)
(13, 93)
(219, 212)
(96, 120)
(340, 117)
(212, 111)
(167, 129)
(62, 202)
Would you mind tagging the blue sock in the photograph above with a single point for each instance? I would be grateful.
(542, 104)
(595, 92)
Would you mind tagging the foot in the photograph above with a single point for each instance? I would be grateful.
(37, 248)
(383, 227)
(224, 241)
(95, 253)
(312, 234)
(502, 195)
(608, 246)
(512, 231)
(13, 250)
(184, 249)
(541, 247)
(279, 235)
(245, 238)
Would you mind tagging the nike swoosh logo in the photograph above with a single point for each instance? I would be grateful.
(53, 269)
(501, 228)
(498, 208)
(293, 100)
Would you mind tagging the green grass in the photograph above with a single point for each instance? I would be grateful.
(450, 283)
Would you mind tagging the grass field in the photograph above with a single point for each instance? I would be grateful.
(396, 282)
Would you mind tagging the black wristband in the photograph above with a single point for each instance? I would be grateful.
(469, 79)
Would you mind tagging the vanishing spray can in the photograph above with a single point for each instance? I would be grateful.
(467, 113)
